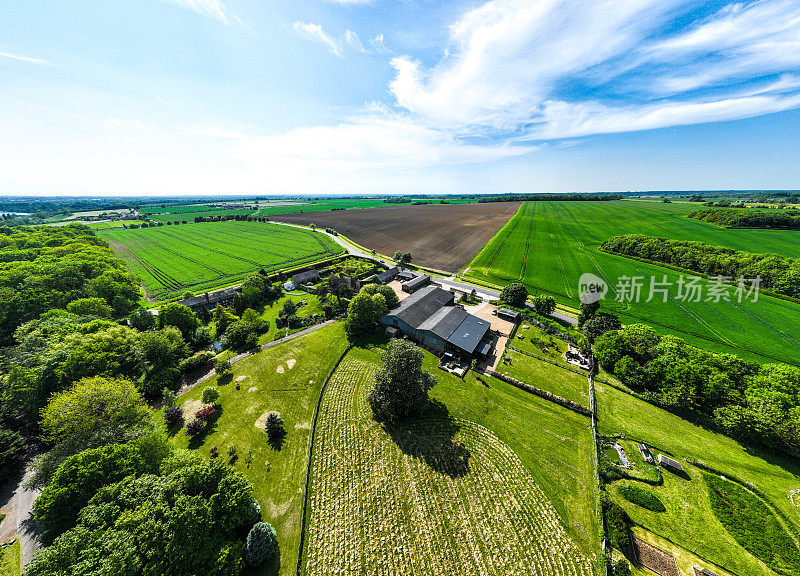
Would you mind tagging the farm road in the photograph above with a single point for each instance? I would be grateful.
(19, 520)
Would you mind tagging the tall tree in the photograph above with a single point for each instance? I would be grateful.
(401, 385)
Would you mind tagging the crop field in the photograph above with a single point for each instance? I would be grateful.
(270, 207)
(442, 495)
(689, 520)
(444, 237)
(199, 257)
(548, 245)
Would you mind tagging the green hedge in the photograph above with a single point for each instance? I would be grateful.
(641, 497)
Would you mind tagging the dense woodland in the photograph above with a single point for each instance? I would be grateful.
(80, 365)
(779, 274)
(50, 267)
(748, 218)
(757, 404)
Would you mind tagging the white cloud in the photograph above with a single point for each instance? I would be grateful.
(212, 8)
(378, 45)
(352, 40)
(315, 33)
(512, 64)
(27, 59)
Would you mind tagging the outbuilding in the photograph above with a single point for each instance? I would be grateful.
(668, 462)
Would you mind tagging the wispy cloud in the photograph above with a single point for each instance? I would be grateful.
(352, 40)
(315, 33)
(27, 59)
(515, 66)
(212, 8)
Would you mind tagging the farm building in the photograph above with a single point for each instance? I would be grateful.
(668, 462)
(645, 452)
(309, 276)
(506, 314)
(387, 275)
(430, 317)
(209, 300)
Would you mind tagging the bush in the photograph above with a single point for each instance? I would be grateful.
(617, 525)
(274, 424)
(205, 413)
(254, 514)
(173, 415)
(142, 320)
(223, 368)
(90, 307)
(262, 544)
(203, 361)
(230, 561)
(210, 395)
(641, 497)
(168, 397)
(194, 428)
(622, 568)
(240, 336)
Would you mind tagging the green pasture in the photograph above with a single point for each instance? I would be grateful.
(689, 520)
(199, 257)
(266, 382)
(10, 564)
(548, 245)
(321, 205)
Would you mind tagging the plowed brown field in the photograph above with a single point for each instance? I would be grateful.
(441, 236)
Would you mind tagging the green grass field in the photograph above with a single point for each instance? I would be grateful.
(286, 378)
(198, 257)
(191, 214)
(10, 560)
(457, 490)
(689, 520)
(548, 245)
(320, 205)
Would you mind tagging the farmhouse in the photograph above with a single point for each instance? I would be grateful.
(210, 299)
(430, 317)
(668, 462)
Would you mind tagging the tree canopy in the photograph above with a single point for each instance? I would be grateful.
(514, 295)
(401, 386)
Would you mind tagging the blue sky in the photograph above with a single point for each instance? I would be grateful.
(397, 96)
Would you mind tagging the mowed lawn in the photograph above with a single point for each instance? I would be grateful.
(689, 520)
(548, 245)
(286, 378)
(199, 257)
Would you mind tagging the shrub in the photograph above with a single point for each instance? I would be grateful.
(274, 424)
(254, 514)
(641, 497)
(230, 561)
(142, 320)
(205, 413)
(262, 544)
(617, 525)
(90, 307)
(232, 451)
(173, 415)
(213, 451)
(203, 361)
(210, 395)
(168, 396)
(223, 368)
(194, 428)
(622, 568)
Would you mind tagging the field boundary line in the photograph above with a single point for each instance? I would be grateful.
(304, 510)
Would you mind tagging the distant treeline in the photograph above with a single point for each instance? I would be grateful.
(778, 273)
(747, 218)
(552, 197)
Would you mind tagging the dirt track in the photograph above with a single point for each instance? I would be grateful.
(442, 236)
